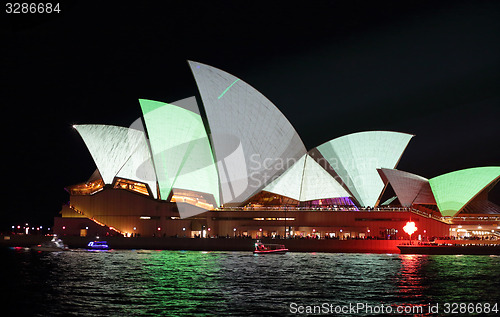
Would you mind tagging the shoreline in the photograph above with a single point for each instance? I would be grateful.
(216, 244)
(229, 244)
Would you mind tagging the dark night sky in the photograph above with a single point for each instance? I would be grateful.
(431, 68)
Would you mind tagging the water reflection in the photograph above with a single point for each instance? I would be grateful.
(411, 282)
(464, 278)
(185, 282)
(173, 283)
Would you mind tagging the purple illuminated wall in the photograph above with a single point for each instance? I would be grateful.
(331, 202)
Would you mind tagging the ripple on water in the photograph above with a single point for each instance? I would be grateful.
(162, 283)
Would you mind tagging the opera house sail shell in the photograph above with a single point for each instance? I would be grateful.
(306, 180)
(239, 168)
(252, 140)
(356, 157)
(180, 148)
(119, 152)
(410, 188)
(453, 191)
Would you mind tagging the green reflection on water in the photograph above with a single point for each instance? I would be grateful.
(464, 277)
(183, 281)
(176, 283)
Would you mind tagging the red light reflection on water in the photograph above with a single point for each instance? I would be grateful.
(410, 281)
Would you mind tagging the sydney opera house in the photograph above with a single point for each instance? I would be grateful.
(237, 167)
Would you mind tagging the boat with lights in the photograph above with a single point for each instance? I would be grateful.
(98, 245)
(261, 248)
(485, 248)
(54, 245)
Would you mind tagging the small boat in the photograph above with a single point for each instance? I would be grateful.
(261, 248)
(98, 245)
(53, 245)
(434, 248)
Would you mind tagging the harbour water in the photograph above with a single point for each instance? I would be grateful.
(195, 283)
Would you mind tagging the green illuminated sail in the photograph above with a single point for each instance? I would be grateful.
(180, 149)
(455, 190)
(356, 157)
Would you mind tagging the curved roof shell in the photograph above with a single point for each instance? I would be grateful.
(306, 180)
(180, 148)
(453, 191)
(119, 152)
(355, 158)
(409, 188)
(252, 140)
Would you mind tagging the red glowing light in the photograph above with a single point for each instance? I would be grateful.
(410, 228)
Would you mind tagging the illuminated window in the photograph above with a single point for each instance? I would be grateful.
(274, 219)
(149, 217)
(88, 188)
(131, 186)
(193, 198)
